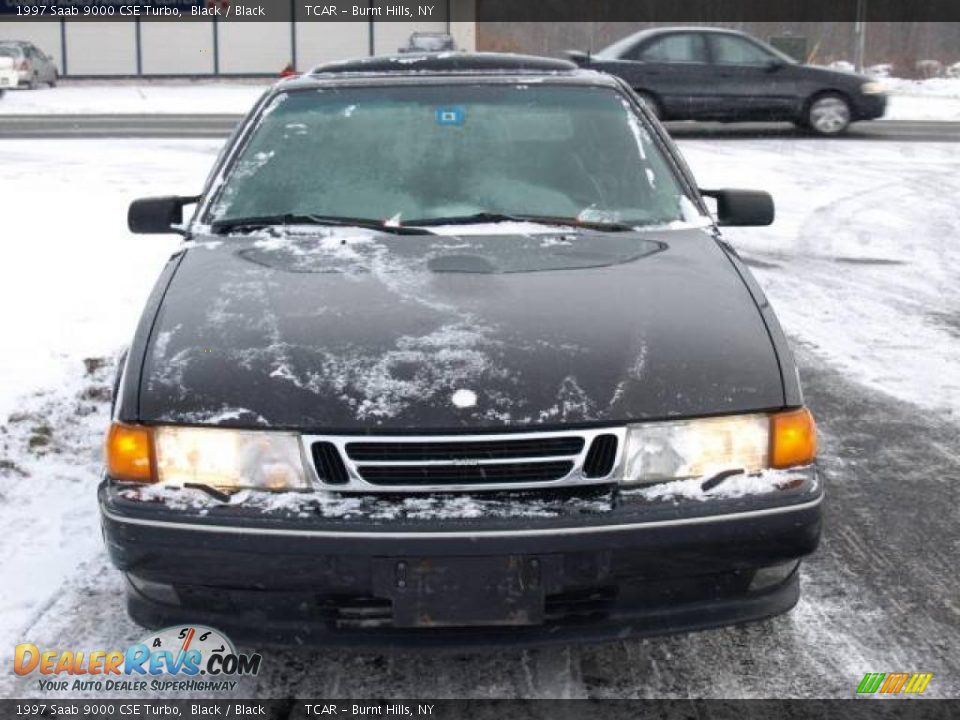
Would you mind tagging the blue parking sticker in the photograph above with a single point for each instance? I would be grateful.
(450, 116)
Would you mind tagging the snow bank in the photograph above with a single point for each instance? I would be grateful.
(932, 99)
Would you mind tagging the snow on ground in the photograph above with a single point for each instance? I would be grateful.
(147, 98)
(72, 274)
(863, 262)
(72, 285)
(933, 99)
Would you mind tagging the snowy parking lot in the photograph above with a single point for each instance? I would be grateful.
(862, 266)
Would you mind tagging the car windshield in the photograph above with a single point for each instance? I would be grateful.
(405, 153)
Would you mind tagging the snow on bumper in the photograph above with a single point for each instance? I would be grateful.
(604, 565)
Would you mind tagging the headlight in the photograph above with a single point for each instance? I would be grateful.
(229, 458)
(873, 88)
(656, 452)
(216, 457)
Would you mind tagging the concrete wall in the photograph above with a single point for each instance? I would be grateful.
(254, 47)
(319, 42)
(103, 49)
(194, 48)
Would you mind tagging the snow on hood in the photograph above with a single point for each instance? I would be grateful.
(351, 328)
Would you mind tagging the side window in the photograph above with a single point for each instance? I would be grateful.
(677, 48)
(732, 50)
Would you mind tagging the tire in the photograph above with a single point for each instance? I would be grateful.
(828, 115)
(53, 82)
(651, 103)
(2, 92)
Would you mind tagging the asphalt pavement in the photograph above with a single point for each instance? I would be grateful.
(202, 126)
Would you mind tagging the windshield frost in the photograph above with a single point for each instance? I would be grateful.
(404, 153)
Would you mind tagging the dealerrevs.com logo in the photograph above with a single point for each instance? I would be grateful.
(180, 658)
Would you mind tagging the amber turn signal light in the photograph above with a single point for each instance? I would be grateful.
(793, 438)
(129, 453)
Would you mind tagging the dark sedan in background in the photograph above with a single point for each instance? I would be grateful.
(685, 73)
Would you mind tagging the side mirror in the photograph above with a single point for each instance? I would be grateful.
(742, 207)
(774, 65)
(155, 216)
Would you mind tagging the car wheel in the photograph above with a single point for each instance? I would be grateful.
(53, 81)
(650, 102)
(828, 115)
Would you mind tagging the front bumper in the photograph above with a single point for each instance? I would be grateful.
(609, 566)
(870, 107)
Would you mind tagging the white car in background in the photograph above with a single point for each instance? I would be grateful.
(34, 67)
(8, 74)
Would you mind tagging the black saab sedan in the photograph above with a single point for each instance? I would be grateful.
(685, 73)
(454, 353)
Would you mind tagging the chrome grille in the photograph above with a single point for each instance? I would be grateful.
(443, 463)
(462, 473)
(464, 450)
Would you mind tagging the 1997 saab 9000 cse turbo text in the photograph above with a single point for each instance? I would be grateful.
(454, 353)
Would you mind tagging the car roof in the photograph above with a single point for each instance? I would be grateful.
(698, 28)
(669, 30)
(448, 62)
(446, 67)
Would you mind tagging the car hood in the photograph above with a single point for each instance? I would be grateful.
(355, 331)
(838, 77)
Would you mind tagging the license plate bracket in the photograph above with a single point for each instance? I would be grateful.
(461, 591)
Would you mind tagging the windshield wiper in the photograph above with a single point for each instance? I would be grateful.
(494, 217)
(264, 221)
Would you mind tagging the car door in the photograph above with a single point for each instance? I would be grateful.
(46, 62)
(36, 64)
(675, 68)
(43, 63)
(750, 81)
